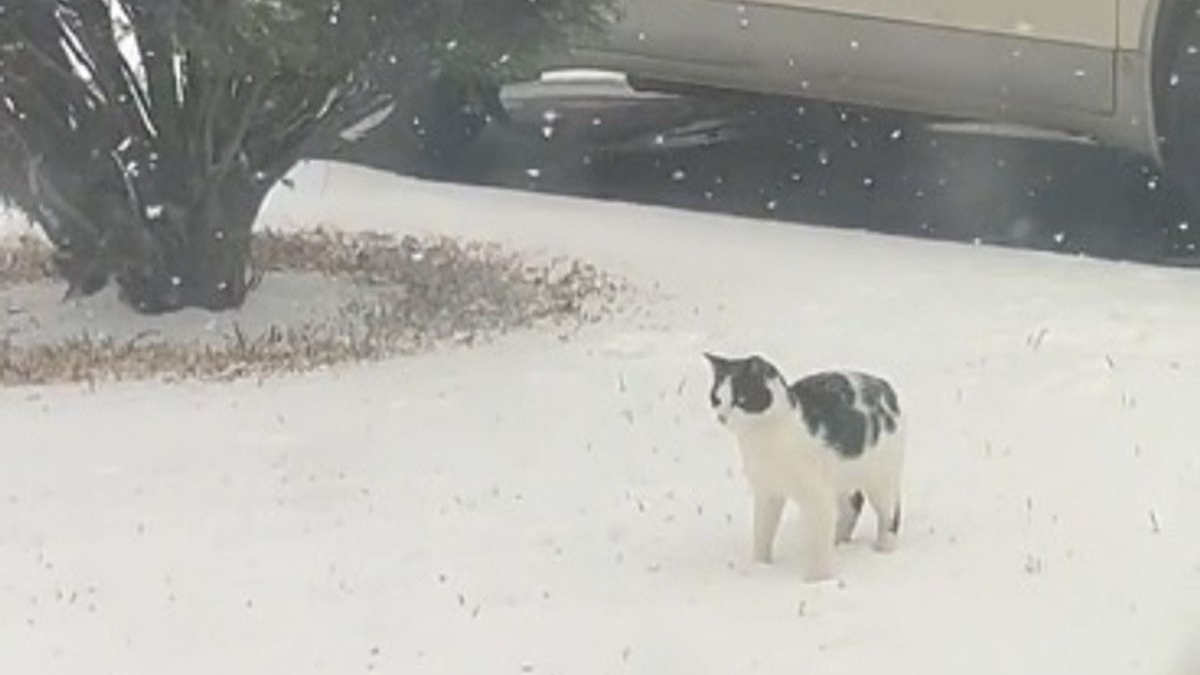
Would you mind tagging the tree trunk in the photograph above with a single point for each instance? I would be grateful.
(209, 265)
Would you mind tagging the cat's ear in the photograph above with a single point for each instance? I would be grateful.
(762, 367)
(719, 364)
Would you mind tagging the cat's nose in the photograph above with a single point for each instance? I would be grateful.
(722, 418)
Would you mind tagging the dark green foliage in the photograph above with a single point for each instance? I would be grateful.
(151, 170)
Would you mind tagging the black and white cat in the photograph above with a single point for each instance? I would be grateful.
(829, 442)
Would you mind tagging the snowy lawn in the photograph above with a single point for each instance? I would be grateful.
(571, 507)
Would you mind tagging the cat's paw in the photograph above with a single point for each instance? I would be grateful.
(819, 576)
(885, 544)
(818, 570)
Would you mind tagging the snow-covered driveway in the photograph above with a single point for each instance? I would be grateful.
(570, 507)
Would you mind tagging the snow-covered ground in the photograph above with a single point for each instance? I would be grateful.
(570, 507)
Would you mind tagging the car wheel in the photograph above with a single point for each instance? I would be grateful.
(1177, 112)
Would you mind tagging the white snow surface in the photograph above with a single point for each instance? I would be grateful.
(13, 223)
(570, 507)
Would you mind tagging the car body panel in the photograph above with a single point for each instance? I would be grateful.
(1077, 66)
(855, 58)
(698, 31)
(1135, 23)
(1081, 22)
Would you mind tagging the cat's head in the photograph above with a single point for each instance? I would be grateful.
(746, 390)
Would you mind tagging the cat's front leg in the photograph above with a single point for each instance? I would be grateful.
(821, 518)
(768, 509)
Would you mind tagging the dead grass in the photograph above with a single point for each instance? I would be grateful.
(24, 260)
(416, 295)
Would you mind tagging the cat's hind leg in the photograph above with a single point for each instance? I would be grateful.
(768, 510)
(885, 501)
(850, 506)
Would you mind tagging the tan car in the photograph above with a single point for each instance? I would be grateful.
(1125, 73)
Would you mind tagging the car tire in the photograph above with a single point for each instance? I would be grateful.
(1177, 116)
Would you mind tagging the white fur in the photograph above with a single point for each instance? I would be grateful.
(784, 462)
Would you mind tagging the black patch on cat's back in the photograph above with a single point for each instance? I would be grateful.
(879, 395)
(831, 409)
(826, 403)
(881, 404)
